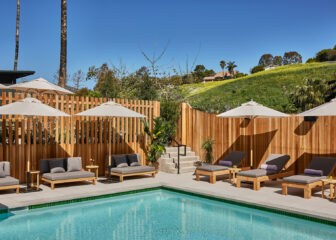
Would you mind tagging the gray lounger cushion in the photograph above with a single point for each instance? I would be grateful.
(5, 166)
(323, 163)
(257, 173)
(68, 175)
(235, 157)
(303, 178)
(211, 168)
(137, 169)
(8, 181)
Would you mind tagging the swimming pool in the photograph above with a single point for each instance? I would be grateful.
(158, 214)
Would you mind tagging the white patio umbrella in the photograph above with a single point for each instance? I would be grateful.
(252, 110)
(327, 109)
(40, 85)
(3, 86)
(30, 107)
(110, 109)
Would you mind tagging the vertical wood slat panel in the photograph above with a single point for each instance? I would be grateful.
(301, 140)
(62, 137)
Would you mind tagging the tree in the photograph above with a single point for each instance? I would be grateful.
(146, 88)
(77, 79)
(277, 60)
(312, 93)
(311, 60)
(258, 68)
(17, 35)
(292, 58)
(63, 55)
(326, 55)
(222, 65)
(231, 66)
(106, 81)
(266, 60)
(200, 72)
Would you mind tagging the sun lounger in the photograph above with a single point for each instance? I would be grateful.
(124, 165)
(233, 159)
(319, 168)
(6, 181)
(271, 169)
(64, 170)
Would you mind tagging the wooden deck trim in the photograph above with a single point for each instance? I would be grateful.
(257, 180)
(53, 182)
(17, 187)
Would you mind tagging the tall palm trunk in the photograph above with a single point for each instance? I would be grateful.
(17, 35)
(63, 56)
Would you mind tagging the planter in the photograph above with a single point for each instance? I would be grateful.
(156, 165)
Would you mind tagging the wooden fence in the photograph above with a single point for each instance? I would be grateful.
(87, 137)
(301, 139)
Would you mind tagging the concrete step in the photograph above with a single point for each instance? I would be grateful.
(174, 149)
(186, 158)
(174, 154)
(182, 164)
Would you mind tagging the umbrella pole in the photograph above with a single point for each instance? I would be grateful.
(251, 144)
(28, 151)
(109, 150)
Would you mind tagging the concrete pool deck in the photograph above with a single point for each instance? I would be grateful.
(269, 196)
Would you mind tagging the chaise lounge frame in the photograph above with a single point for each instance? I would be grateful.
(53, 182)
(213, 175)
(122, 175)
(16, 187)
(257, 180)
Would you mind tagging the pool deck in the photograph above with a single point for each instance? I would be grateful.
(269, 196)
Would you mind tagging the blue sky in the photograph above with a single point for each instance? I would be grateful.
(106, 31)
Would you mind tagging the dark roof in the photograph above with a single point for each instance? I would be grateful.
(10, 76)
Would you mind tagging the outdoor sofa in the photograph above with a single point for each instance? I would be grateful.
(318, 169)
(272, 168)
(233, 159)
(64, 170)
(6, 181)
(124, 165)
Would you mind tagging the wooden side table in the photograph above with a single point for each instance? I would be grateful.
(30, 183)
(332, 184)
(93, 167)
(232, 174)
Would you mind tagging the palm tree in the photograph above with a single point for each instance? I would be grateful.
(222, 65)
(63, 57)
(231, 66)
(17, 35)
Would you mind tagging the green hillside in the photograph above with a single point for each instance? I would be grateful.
(270, 88)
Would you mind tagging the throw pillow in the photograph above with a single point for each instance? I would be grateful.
(269, 167)
(313, 172)
(134, 164)
(74, 164)
(120, 161)
(57, 170)
(55, 163)
(2, 172)
(225, 163)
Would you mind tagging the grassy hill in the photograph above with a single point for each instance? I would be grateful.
(270, 88)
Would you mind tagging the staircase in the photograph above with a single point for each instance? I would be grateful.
(168, 162)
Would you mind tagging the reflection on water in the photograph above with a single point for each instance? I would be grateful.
(156, 215)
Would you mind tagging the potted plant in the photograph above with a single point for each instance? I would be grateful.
(208, 147)
(157, 145)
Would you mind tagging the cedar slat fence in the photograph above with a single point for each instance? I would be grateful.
(300, 139)
(87, 137)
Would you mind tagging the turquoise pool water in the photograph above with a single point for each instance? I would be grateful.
(158, 214)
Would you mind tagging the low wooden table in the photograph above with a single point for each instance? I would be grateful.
(93, 167)
(232, 174)
(30, 184)
(332, 184)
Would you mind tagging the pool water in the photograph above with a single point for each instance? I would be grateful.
(158, 214)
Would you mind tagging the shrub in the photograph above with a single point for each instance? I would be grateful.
(311, 60)
(169, 113)
(208, 147)
(257, 69)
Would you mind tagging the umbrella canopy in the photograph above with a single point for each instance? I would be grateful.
(40, 85)
(31, 107)
(327, 109)
(110, 109)
(3, 86)
(252, 110)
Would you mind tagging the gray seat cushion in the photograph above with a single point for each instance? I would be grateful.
(137, 169)
(5, 166)
(211, 168)
(68, 175)
(303, 178)
(323, 163)
(257, 173)
(8, 181)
